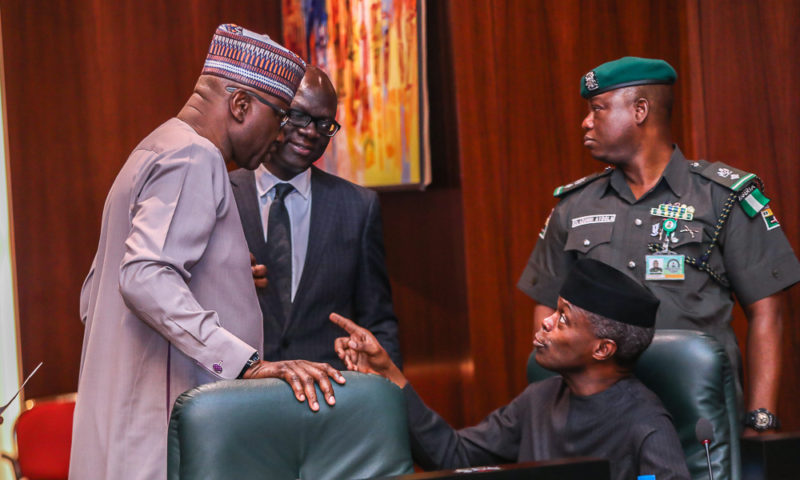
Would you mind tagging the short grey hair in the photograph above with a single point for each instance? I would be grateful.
(631, 340)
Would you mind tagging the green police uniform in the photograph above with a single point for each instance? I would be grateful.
(703, 233)
(599, 218)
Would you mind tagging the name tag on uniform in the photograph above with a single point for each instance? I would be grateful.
(665, 267)
(589, 219)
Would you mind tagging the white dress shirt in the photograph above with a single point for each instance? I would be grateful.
(298, 204)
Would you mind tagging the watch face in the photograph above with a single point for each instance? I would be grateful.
(762, 420)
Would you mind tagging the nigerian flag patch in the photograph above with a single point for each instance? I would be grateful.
(753, 201)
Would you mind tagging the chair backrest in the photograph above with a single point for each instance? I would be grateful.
(691, 374)
(257, 429)
(44, 438)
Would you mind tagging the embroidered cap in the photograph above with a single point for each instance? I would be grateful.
(604, 290)
(627, 72)
(254, 60)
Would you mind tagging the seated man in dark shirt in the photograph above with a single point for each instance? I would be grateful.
(596, 408)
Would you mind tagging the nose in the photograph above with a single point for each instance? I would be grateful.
(549, 322)
(588, 122)
(310, 130)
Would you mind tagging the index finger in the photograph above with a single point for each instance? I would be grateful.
(348, 325)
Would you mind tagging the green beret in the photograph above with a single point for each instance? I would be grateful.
(626, 72)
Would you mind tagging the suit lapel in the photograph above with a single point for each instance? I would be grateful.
(324, 205)
(244, 190)
(243, 183)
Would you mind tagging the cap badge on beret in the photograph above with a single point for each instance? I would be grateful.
(254, 60)
(590, 81)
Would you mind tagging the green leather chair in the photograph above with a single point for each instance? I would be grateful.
(691, 374)
(257, 429)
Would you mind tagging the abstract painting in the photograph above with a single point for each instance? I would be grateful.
(373, 51)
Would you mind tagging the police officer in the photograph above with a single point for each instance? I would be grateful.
(708, 224)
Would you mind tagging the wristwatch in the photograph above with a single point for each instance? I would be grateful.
(252, 361)
(761, 420)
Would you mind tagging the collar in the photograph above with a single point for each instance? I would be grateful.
(675, 175)
(265, 180)
(677, 172)
(620, 387)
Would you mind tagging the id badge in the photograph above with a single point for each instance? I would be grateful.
(665, 267)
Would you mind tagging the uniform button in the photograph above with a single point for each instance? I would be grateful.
(285, 343)
(631, 264)
(776, 273)
(638, 222)
(217, 367)
(586, 243)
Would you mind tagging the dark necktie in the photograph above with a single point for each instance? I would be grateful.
(279, 254)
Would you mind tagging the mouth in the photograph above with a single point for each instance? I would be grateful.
(587, 140)
(300, 149)
(539, 341)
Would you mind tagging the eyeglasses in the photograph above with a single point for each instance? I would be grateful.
(278, 109)
(325, 126)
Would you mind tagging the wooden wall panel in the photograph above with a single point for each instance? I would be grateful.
(85, 81)
(519, 115)
(480, 100)
(424, 238)
(750, 69)
(519, 134)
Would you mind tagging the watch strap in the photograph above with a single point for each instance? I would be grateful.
(254, 358)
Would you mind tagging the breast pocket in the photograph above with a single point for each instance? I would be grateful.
(587, 237)
(690, 239)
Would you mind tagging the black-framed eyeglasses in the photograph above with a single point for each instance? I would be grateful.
(283, 113)
(324, 125)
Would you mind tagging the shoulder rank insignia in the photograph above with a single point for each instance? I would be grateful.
(563, 189)
(747, 186)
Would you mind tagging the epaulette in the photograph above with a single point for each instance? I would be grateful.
(563, 189)
(725, 175)
(747, 186)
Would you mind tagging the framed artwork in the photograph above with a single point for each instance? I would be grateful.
(374, 53)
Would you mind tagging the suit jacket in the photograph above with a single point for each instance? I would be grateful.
(344, 270)
(169, 303)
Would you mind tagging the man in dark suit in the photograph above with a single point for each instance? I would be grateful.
(319, 236)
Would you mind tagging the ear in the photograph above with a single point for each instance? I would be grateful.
(641, 108)
(604, 349)
(239, 105)
(280, 138)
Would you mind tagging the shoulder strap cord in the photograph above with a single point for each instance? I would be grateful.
(702, 263)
